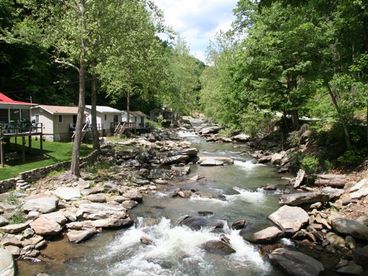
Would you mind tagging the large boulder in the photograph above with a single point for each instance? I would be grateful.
(46, 227)
(96, 211)
(303, 198)
(77, 236)
(350, 227)
(109, 223)
(299, 178)
(360, 256)
(215, 161)
(68, 193)
(196, 223)
(296, 263)
(192, 152)
(241, 138)
(359, 190)
(218, 247)
(181, 158)
(333, 180)
(210, 130)
(133, 194)
(267, 235)
(6, 263)
(41, 203)
(289, 219)
(58, 216)
(332, 193)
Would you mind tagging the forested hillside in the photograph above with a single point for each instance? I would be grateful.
(288, 59)
(40, 47)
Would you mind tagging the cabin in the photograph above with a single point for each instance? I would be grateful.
(13, 112)
(58, 121)
(137, 117)
(15, 123)
(107, 118)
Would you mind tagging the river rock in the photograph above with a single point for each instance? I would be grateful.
(303, 198)
(351, 269)
(210, 130)
(296, 263)
(6, 263)
(218, 247)
(46, 227)
(241, 138)
(299, 178)
(100, 198)
(359, 190)
(146, 240)
(360, 256)
(289, 219)
(350, 227)
(76, 236)
(109, 223)
(181, 158)
(267, 235)
(192, 152)
(239, 224)
(129, 204)
(96, 211)
(196, 223)
(208, 162)
(335, 240)
(332, 193)
(184, 194)
(14, 228)
(68, 193)
(333, 180)
(133, 194)
(3, 221)
(58, 216)
(276, 158)
(42, 203)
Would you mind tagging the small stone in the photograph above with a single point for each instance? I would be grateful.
(129, 204)
(3, 221)
(76, 236)
(239, 224)
(14, 228)
(350, 242)
(28, 233)
(146, 240)
(101, 198)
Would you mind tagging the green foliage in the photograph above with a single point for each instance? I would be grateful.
(18, 217)
(12, 199)
(100, 166)
(310, 164)
(351, 158)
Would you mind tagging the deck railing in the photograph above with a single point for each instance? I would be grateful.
(20, 128)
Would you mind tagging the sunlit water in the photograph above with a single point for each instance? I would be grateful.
(229, 192)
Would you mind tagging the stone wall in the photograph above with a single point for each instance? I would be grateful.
(37, 174)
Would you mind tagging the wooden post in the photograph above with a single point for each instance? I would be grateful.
(23, 149)
(29, 143)
(41, 138)
(1, 154)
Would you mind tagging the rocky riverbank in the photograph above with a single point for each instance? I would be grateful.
(326, 218)
(78, 208)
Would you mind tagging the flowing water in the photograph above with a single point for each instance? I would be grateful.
(236, 193)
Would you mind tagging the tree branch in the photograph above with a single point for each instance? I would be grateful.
(66, 63)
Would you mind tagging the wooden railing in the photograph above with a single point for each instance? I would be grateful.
(123, 126)
(20, 128)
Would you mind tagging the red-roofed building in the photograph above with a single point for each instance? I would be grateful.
(12, 110)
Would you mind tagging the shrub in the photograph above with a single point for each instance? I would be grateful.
(350, 158)
(310, 164)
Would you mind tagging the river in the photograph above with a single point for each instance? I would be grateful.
(176, 250)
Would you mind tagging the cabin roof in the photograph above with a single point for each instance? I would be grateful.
(104, 109)
(60, 110)
(6, 100)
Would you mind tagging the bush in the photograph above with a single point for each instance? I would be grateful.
(310, 164)
(350, 158)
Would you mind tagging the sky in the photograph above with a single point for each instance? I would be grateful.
(198, 21)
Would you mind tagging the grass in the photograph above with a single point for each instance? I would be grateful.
(53, 152)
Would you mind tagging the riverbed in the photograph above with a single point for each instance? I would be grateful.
(235, 193)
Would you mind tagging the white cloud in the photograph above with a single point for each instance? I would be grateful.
(197, 21)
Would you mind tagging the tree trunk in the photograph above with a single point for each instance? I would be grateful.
(295, 119)
(341, 117)
(95, 134)
(128, 106)
(366, 122)
(78, 129)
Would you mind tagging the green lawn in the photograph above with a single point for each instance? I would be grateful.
(53, 152)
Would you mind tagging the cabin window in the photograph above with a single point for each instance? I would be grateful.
(4, 116)
(116, 118)
(105, 117)
(60, 118)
